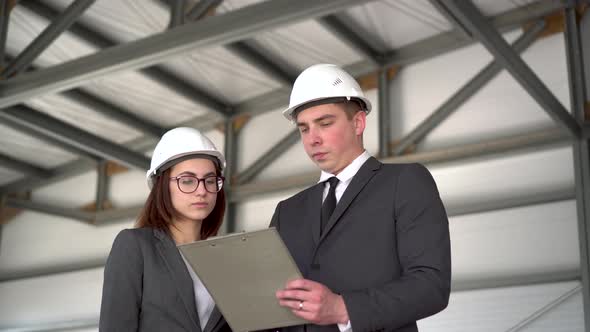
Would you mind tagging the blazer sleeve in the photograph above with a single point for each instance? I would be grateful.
(122, 288)
(424, 254)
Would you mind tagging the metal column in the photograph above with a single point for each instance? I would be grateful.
(384, 114)
(4, 18)
(102, 182)
(581, 148)
(231, 161)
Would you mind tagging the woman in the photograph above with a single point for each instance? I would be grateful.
(148, 285)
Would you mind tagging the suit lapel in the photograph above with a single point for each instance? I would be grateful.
(180, 276)
(213, 320)
(361, 178)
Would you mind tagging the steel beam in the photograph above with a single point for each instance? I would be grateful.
(384, 115)
(545, 309)
(75, 137)
(4, 19)
(534, 140)
(231, 154)
(177, 8)
(268, 157)
(254, 55)
(412, 53)
(515, 281)
(45, 38)
(116, 215)
(214, 31)
(203, 123)
(70, 325)
(60, 173)
(74, 214)
(23, 167)
(78, 29)
(340, 27)
(19, 126)
(451, 18)
(102, 182)
(201, 8)
(470, 16)
(511, 202)
(157, 74)
(581, 150)
(465, 92)
(113, 112)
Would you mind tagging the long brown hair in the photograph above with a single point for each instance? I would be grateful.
(158, 211)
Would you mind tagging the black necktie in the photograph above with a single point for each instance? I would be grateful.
(329, 203)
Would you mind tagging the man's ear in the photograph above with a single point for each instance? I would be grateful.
(359, 122)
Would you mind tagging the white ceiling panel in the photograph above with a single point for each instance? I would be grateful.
(146, 98)
(222, 74)
(123, 21)
(307, 43)
(397, 23)
(25, 26)
(30, 149)
(72, 113)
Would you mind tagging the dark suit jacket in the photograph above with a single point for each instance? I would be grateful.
(385, 249)
(147, 287)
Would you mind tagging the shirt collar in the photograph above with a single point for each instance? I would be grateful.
(349, 171)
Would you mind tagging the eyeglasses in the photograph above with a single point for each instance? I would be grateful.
(189, 184)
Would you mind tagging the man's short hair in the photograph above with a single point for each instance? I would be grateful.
(350, 107)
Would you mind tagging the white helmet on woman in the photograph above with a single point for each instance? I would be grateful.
(324, 81)
(178, 143)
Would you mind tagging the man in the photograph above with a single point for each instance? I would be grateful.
(371, 239)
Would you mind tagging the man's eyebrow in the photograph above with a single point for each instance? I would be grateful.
(321, 118)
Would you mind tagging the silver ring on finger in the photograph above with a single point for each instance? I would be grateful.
(300, 305)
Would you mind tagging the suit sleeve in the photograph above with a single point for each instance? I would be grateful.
(274, 222)
(423, 247)
(122, 288)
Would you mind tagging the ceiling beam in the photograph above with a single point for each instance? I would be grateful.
(340, 26)
(158, 74)
(468, 14)
(5, 9)
(201, 8)
(55, 28)
(254, 54)
(534, 140)
(74, 214)
(214, 31)
(145, 143)
(74, 136)
(412, 53)
(23, 167)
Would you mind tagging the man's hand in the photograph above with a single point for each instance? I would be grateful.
(313, 302)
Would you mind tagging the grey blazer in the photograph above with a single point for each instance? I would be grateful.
(147, 287)
(385, 249)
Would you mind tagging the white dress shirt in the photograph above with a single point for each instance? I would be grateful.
(344, 178)
(203, 299)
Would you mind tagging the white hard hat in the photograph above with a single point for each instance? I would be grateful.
(180, 142)
(324, 81)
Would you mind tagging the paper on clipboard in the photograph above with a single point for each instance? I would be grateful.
(242, 272)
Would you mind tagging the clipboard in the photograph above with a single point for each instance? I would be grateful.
(242, 272)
